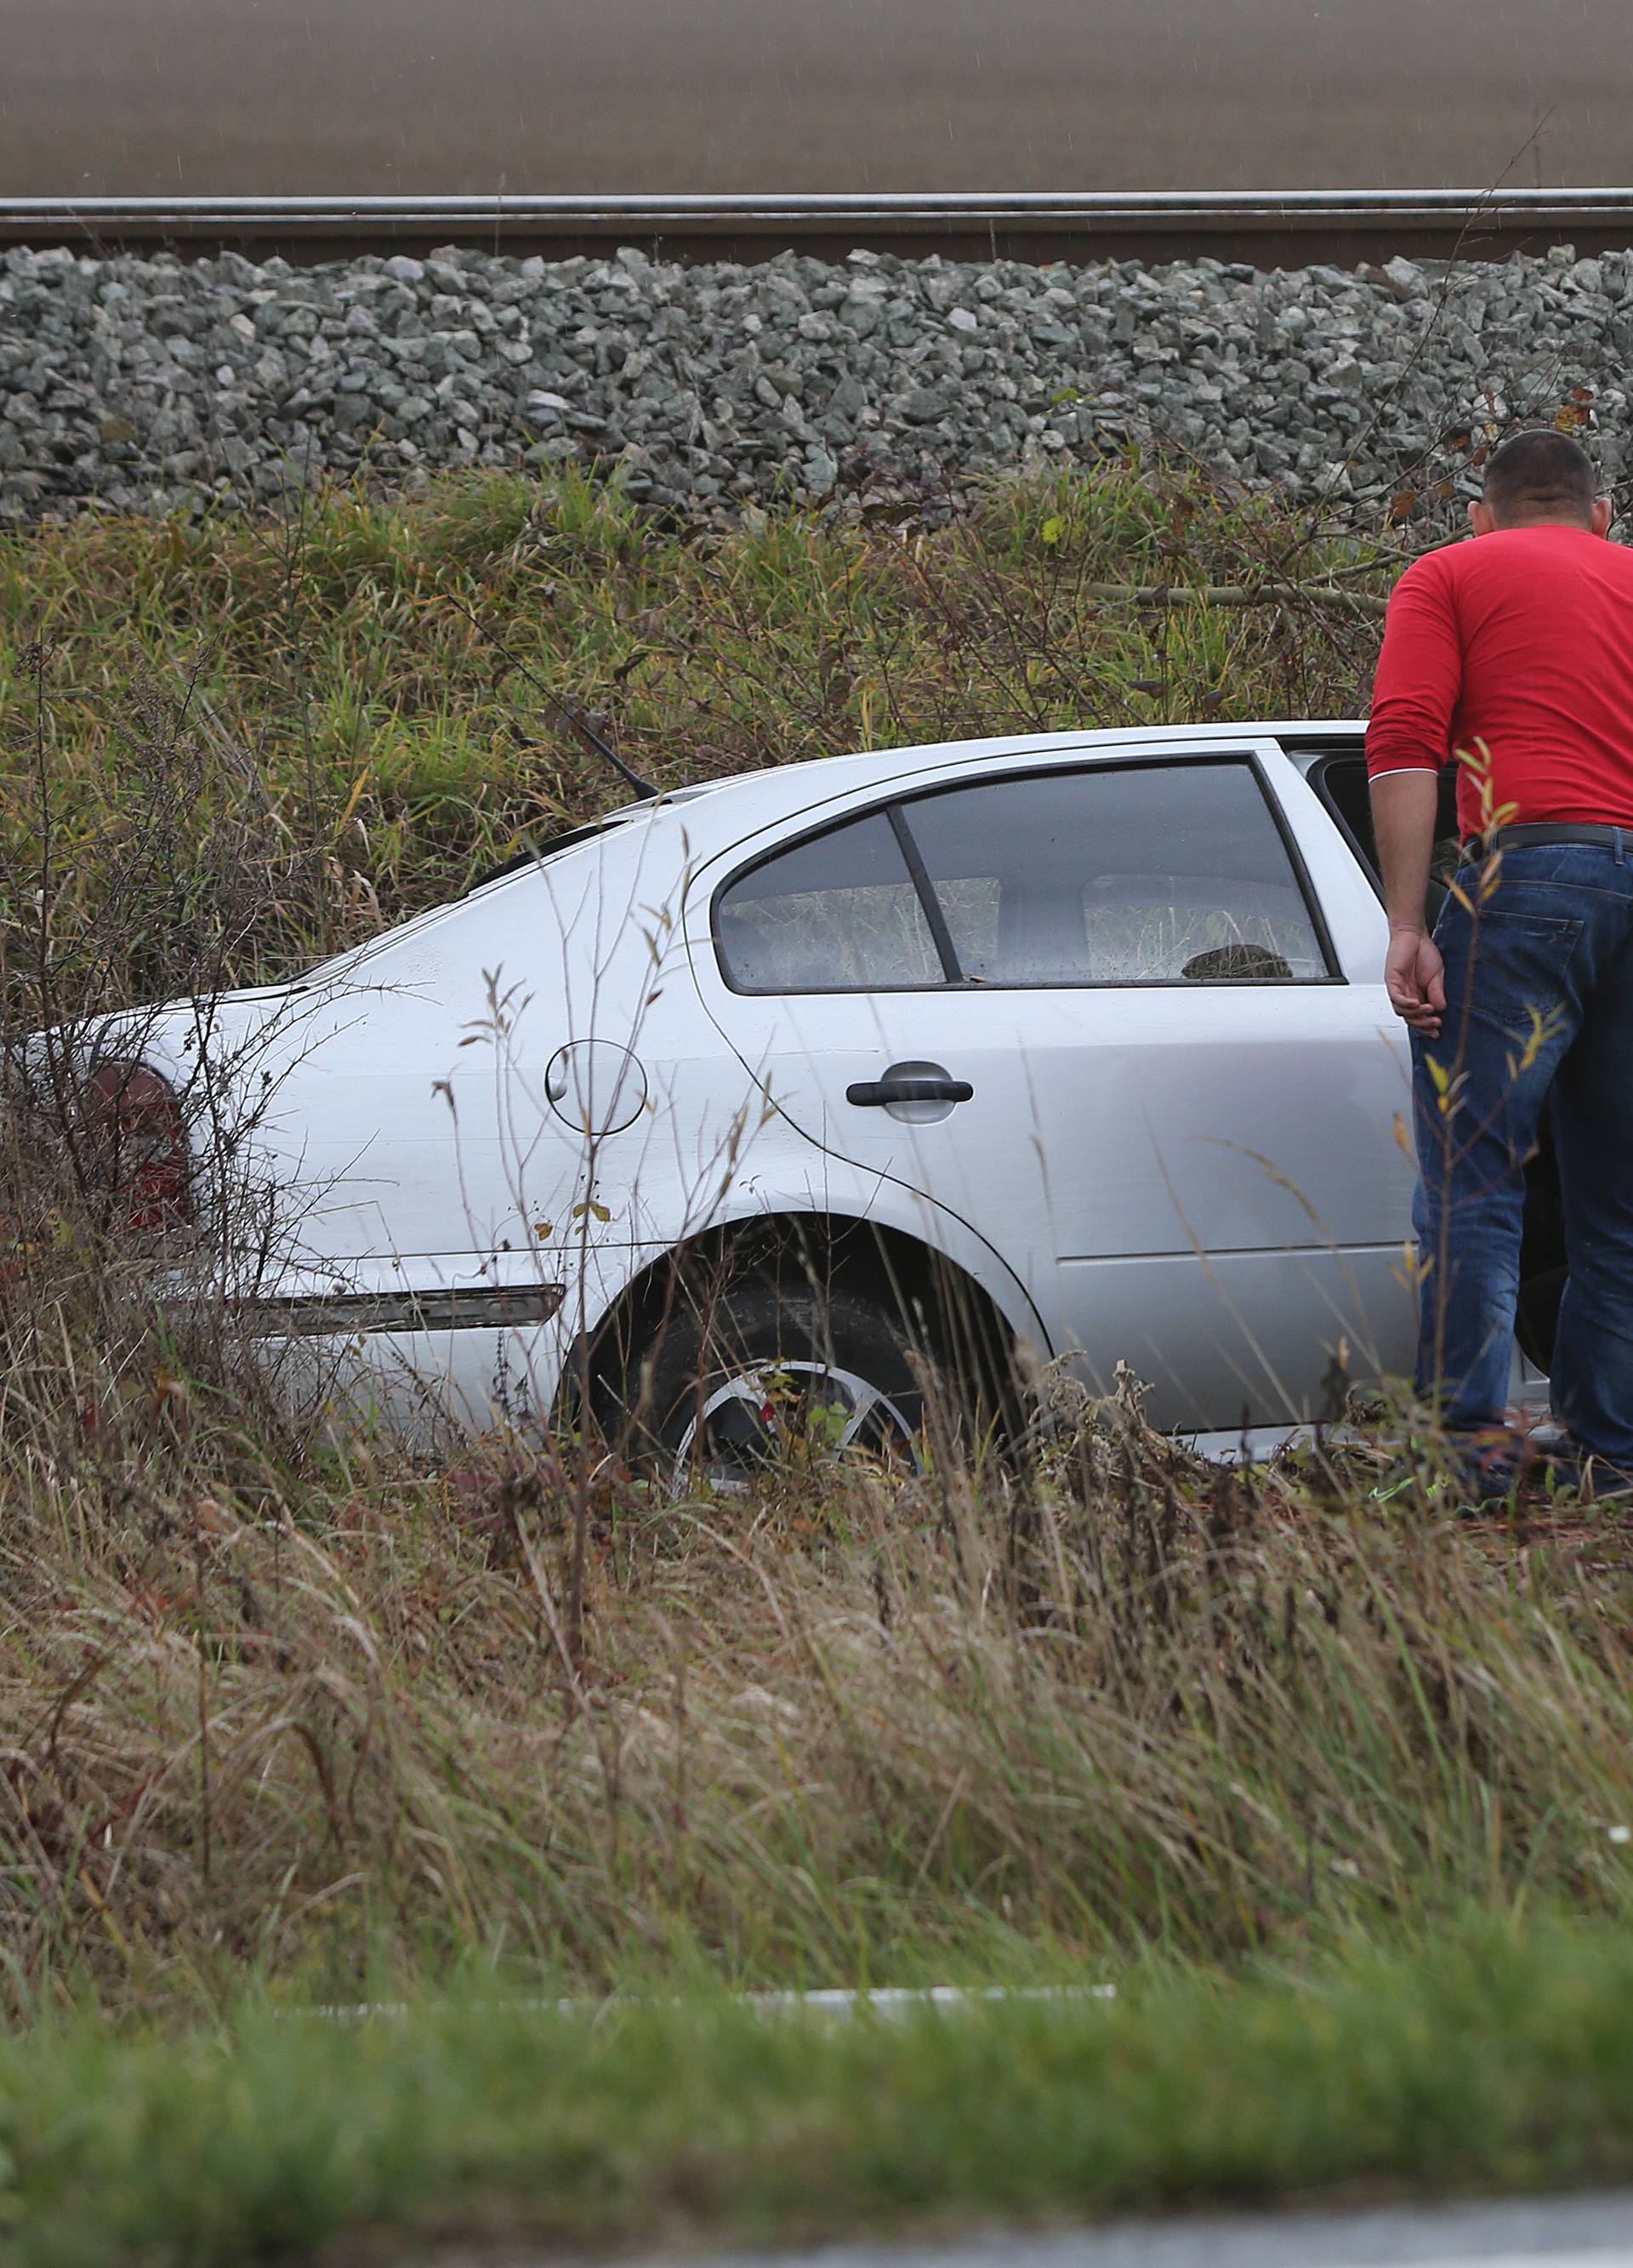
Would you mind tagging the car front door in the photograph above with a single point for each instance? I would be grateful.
(1093, 1009)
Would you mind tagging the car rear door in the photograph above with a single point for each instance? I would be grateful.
(1093, 1008)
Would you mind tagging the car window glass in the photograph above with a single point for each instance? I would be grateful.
(970, 905)
(838, 913)
(1154, 873)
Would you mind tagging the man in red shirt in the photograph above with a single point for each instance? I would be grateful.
(1513, 656)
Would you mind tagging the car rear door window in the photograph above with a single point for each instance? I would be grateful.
(837, 913)
(1138, 874)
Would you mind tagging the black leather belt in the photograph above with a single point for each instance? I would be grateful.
(1549, 831)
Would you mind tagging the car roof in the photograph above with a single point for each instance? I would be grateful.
(814, 779)
(825, 774)
(714, 815)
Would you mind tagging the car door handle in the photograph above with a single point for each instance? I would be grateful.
(876, 1093)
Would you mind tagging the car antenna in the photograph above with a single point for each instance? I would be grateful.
(580, 723)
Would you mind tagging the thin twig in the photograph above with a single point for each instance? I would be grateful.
(1237, 594)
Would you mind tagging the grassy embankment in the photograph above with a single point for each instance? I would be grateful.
(311, 734)
(1338, 1795)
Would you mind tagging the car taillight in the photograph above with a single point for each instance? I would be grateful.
(140, 1152)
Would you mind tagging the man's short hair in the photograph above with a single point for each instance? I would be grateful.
(1543, 472)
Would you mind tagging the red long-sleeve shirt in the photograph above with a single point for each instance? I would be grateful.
(1522, 639)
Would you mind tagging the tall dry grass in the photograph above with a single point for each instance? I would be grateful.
(322, 1719)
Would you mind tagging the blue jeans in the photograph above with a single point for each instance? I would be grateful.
(1539, 985)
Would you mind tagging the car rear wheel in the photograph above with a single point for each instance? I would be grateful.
(762, 1373)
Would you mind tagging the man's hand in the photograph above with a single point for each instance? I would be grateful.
(1403, 826)
(1414, 979)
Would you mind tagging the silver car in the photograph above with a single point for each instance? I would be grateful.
(775, 1101)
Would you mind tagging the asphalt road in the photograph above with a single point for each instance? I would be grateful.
(1590, 2231)
(205, 96)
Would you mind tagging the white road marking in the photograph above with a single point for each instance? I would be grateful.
(1619, 2256)
(1592, 2231)
(826, 2000)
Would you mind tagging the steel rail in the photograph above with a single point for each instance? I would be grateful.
(1106, 219)
(1178, 208)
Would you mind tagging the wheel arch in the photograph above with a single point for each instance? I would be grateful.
(968, 1323)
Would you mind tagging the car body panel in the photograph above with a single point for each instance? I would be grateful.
(1204, 1181)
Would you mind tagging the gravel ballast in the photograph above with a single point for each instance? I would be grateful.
(154, 385)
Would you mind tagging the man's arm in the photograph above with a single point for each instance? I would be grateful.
(1420, 674)
(1404, 805)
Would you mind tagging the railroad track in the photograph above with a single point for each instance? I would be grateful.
(1268, 227)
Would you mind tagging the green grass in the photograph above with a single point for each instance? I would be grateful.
(1484, 2058)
